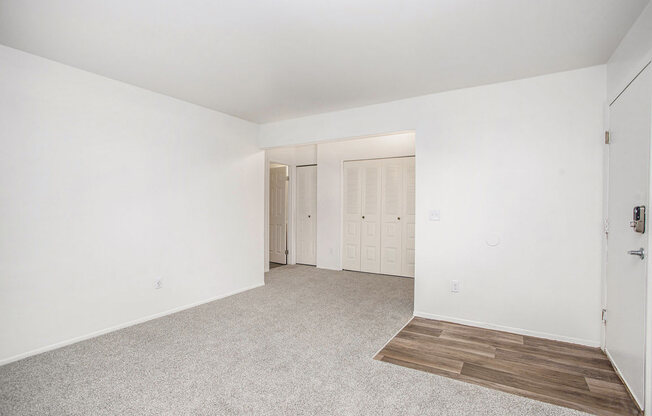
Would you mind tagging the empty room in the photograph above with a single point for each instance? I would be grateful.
(325, 208)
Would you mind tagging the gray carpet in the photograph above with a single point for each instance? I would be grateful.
(301, 345)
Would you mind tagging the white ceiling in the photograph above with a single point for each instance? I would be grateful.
(269, 60)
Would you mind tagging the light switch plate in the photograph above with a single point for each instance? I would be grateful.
(434, 215)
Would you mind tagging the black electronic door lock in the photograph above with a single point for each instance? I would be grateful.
(638, 219)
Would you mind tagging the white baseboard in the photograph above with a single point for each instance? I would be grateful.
(613, 363)
(121, 326)
(555, 337)
(329, 268)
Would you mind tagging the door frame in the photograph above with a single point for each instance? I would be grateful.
(289, 207)
(291, 210)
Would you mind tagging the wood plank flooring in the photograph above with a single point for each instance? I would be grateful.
(556, 372)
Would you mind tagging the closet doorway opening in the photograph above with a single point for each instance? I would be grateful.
(278, 214)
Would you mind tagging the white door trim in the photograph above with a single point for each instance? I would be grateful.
(278, 224)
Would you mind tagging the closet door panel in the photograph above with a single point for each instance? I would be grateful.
(370, 230)
(352, 218)
(393, 172)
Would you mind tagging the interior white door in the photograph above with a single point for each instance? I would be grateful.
(277, 214)
(352, 215)
(370, 229)
(629, 153)
(391, 236)
(306, 214)
(408, 217)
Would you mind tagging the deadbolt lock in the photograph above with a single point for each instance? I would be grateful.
(638, 219)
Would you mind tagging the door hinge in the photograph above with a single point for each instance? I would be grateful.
(287, 178)
(287, 252)
(607, 137)
(604, 316)
(606, 228)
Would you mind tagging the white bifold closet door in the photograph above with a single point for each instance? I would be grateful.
(371, 217)
(361, 228)
(378, 229)
(306, 214)
(392, 209)
(352, 215)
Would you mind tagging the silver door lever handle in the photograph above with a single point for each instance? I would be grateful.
(640, 252)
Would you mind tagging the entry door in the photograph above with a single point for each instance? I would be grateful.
(393, 172)
(306, 214)
(629, 154)
(370, 228)
(277, 214)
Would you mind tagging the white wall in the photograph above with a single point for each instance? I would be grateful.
(293, 156)
(521, 161)
(330, 157)
(105, 187)
(632, 54)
